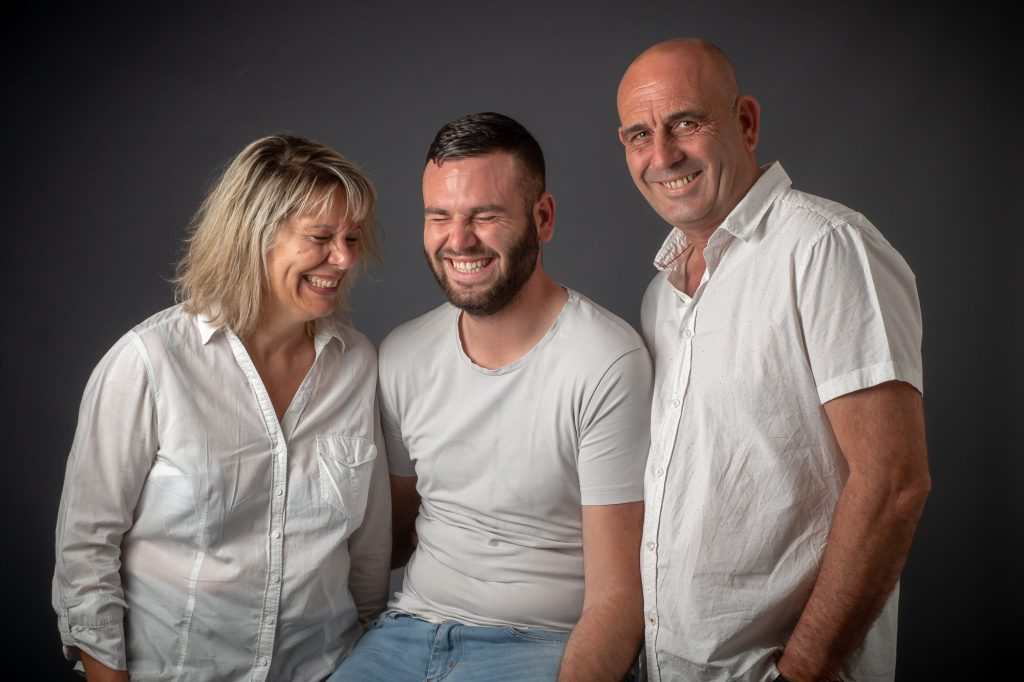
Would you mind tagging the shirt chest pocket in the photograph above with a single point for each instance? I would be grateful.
(346, 463)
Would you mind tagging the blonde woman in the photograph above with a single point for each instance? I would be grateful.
(225, 513)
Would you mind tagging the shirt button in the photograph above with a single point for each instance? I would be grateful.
(658, 472)
(270, 620)
(652, 620)
(275, 579)
(276, 534)
(279, 492)
(650, 546)
(674, 402)
(263, 661)
(687, 333)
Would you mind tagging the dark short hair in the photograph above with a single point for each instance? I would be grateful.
(485, 133)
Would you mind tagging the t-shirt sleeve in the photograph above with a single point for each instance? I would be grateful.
(615, 434)
(860, 313)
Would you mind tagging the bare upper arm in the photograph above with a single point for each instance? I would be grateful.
(405, 501)
(611, 546)
(405, 506)
(882, 429)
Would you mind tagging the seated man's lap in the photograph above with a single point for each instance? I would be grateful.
(403, 648)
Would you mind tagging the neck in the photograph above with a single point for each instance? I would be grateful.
(282, 355)
(496, 340)
(270, 339)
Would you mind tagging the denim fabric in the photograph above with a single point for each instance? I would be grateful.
(400, 648)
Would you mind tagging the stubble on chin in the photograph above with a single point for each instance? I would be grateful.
(521, 262)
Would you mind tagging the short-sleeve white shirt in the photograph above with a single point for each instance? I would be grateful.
(504, 459)
(802, 301)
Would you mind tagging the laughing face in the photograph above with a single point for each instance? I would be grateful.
(308, 262)
(479, 237)
(689, 136)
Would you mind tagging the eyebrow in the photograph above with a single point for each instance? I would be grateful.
(486, 208)
(670, 119)
(318, 226)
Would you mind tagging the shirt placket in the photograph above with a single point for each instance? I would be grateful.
(278, 487)
(666, 417)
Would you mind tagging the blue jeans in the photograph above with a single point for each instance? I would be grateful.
(400, 648)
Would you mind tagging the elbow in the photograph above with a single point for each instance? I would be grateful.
(912, 494)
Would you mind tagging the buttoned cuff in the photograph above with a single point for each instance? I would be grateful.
(99, 633)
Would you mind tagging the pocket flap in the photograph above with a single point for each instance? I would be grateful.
(348, 450)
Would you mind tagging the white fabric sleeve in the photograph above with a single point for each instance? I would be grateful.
(114, 448)
(860, 313)
(615, 432)
(369, 546)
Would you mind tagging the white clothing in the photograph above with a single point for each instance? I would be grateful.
(505, 458)
(199, 538)
(802, 301)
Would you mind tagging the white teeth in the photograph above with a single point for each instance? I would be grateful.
(468, 266)
(676, 184)
(322, 283)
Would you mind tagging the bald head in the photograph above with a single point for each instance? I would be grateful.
(706, 66)
(688, 133)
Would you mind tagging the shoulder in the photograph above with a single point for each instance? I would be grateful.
(355, 342)
(409, 339)
(131, 355)
(597, 336)
(170, 325)
(814, 228)
(811, 218)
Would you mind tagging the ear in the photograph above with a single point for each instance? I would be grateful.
(622, 137)
(544, 217)
(748, 115)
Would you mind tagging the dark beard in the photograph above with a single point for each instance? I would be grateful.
(521, 262)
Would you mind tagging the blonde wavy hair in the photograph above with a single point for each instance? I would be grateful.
(222, 274)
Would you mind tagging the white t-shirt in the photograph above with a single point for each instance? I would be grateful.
(802, 301)
(505, 458)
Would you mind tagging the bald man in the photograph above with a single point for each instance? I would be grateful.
(788, 466)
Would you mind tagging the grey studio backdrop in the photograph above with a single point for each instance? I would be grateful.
(117, 117)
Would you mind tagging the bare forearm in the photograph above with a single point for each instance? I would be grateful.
(867, 547)
(606, 640)
(97, 672)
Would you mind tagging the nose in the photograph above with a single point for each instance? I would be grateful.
(342, 254)
(667, 151)
(461, 236)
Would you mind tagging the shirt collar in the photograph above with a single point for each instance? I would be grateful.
(741, 221)
(206, 330)
(326, 329)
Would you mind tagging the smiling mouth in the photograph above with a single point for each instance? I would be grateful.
(321, 282)
(470, 266)
(678, 182)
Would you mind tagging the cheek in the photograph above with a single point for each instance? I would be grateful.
(637, 162)
(433, 239)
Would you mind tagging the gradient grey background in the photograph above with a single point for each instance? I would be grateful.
(117, 118)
